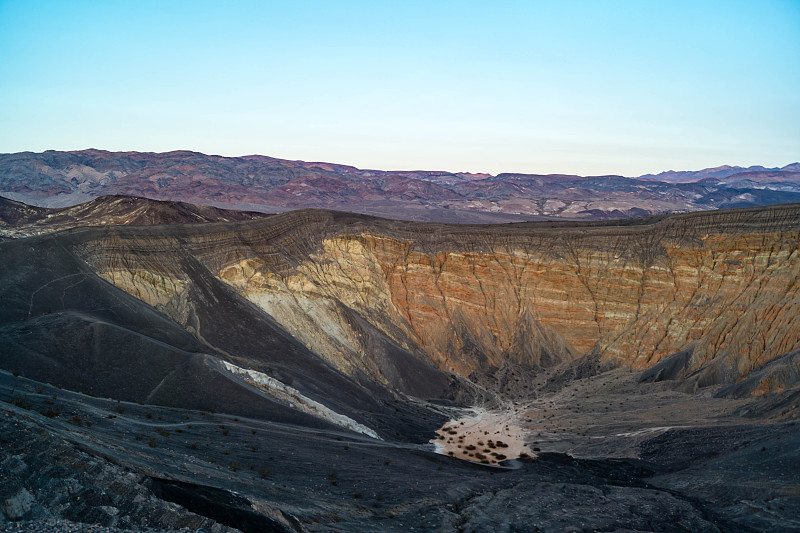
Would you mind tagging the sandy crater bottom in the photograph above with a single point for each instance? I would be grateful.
(487, 437)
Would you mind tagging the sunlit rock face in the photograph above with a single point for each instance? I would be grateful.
(722, 288)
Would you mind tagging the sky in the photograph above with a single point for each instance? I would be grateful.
(582, 87)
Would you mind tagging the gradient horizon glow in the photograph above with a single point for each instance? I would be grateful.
(584, 87)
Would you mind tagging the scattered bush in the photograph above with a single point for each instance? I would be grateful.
(22, 403)
(51, 412)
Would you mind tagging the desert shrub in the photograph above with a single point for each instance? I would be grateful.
(22, 403)
(51, 412)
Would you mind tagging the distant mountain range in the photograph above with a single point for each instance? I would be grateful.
(267, 184)
(725, 171)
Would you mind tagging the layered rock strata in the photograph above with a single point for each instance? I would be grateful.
(722, 287)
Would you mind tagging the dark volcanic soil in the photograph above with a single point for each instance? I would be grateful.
(121, 464)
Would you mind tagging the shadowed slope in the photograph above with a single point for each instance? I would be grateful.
(61, 323)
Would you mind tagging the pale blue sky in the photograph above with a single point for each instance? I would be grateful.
(585, 87)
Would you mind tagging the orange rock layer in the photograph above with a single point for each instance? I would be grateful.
(722, 285)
